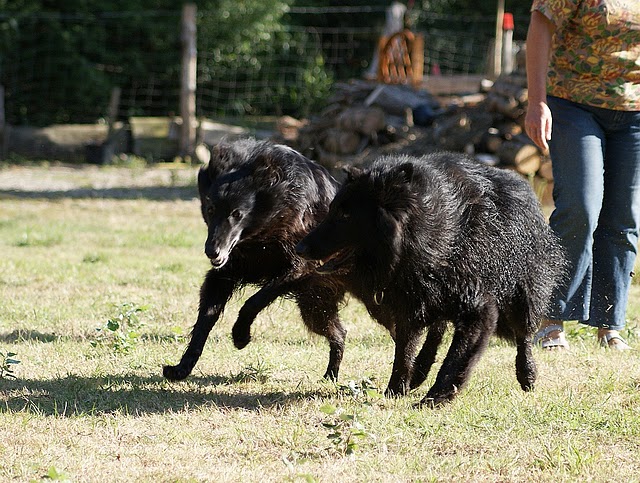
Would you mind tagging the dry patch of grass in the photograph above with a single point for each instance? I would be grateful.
(91, 405)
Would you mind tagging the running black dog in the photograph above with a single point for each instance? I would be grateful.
(442, 238)
(258, 201)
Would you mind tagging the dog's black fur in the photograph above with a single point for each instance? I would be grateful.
(259, 200)
(442, 238)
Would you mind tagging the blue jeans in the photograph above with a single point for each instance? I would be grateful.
(596, 170)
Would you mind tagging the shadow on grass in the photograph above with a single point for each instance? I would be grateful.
(155, 193)
(74, 396)
(22, 335)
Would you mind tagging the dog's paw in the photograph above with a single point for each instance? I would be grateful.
(394, 391)
(241, 337)
(174, 373)
(440, 397)
(432, 402)
(331, 375)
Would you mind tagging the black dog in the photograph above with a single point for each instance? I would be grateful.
(442, 238)
(258, 201)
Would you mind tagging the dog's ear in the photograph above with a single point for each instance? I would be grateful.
(221, 156)
(403, 173)
(204, 181)
(352, 172)
(267, 169)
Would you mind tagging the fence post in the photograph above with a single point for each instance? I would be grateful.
(497, 46)
(188, 80)
(3, 126)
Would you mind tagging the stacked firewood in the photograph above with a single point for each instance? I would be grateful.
(493, 129)
(360, 116)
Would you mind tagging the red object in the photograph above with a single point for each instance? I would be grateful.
(507, 21)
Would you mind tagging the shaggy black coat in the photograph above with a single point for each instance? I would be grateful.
(442, 238)
(258, 201)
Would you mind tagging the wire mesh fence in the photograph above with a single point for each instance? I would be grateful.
(61, 68)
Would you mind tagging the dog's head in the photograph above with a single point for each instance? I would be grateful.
(237, 196)
(366, 219)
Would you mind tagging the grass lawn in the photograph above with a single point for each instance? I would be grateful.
(99, 289)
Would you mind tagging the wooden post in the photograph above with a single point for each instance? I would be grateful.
(394, 22)
(497, 47)
(3, 126)
(507, 43)
(188, 82)
(417, 60)
(112, 114)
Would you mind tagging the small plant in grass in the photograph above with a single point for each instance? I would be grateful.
(344, 430)
(121, 332)
(54, 474)
(8, 361)
(31, 239)
(291, 463)
(177, 333)
(363, 390)
(258, 372)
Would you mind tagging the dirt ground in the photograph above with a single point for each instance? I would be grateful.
(56, 180)
(163, 180)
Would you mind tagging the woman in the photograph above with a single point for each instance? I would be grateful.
(583, 69)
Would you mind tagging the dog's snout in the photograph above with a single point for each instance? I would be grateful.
(211, 252)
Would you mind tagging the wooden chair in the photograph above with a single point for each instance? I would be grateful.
(401, 58)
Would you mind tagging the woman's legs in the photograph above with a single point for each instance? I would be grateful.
(577, 151)
(596, 163)
(616, 238)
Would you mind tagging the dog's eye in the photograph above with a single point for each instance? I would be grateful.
(236, 214)
(344, 215)
(210, 210)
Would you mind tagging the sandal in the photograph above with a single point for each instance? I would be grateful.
(545, 341)
(614, 341)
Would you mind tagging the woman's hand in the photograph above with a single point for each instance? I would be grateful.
(537, 124)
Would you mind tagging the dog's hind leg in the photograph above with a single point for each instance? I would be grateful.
(526, 371)
(214, 294)
(427, 355)
(319, 311)
(470, 338)
(518, 322)
(241, 331)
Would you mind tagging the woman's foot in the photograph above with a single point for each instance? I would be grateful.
(550, 336)
(611, 339)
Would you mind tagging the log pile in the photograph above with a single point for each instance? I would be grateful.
(360, 117)
(493, 129)
(365, 119)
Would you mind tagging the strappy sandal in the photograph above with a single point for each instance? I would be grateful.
(545, 341)
(614, 342)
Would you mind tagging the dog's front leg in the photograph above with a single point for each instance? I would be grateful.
(241, 331)
(406, 344)
(427, 355)
(214, 294)
(470, 339)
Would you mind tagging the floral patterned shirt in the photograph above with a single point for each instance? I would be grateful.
(595, 56)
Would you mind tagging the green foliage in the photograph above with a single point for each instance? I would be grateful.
(54, 474)
(364, 390)
(59, 63)
(7, 361)
(122, 332)
(344, 430)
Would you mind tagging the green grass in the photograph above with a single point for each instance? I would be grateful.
(83, 407)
